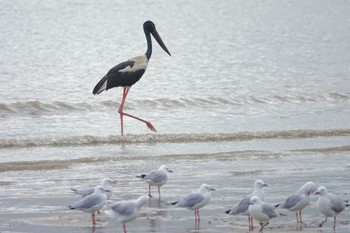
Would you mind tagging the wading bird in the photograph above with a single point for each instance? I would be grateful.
(329, 204)
(106, 183)
(157, 178)
(195, 201)
(299, 200)
(92, 203)
(126, 211)
(243, 205)
(129, 72)
(261, 211)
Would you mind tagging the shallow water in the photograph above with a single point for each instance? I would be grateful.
(252, 90)
(35, 200)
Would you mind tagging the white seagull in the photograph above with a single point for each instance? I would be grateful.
(243, 205)
(106, 183)
(157, 178)
(329, 204)
(126, 211)
(92, 203)
(299, 200)
(195, 200)
(261, 211)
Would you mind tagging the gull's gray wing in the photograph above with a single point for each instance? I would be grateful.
(190, 200)
(291, 201)
(155, 176)
(269, 210)
(87, 202)
(337, 203)
(123, 208)
(158, 176)
(83, 192)
(242, 206)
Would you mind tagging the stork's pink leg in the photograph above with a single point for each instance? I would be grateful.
(121, 113)
(120, 110)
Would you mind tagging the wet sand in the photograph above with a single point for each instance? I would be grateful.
(37, 200)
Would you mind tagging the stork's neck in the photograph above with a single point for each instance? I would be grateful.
(149, 45)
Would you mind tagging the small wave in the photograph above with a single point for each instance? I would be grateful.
(171, 138)
(328, 149)
(38, 108)
(46, 164)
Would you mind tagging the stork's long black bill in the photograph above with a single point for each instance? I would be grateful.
(160, 42)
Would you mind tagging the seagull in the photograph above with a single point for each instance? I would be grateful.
(126, 211)
(261, 211)
(243, 205)
(329, 204)
(196, 200)
(157, 178)
(92, 203)
(299, 200)
(106, 183)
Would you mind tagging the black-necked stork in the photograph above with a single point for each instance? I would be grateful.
(129, 72)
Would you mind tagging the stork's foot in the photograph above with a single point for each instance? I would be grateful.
(150, 126)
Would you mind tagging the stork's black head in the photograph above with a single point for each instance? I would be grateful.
(150, 28)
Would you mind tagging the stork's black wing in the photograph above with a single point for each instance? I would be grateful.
(119, 75)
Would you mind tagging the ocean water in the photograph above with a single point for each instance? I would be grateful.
(253, 89)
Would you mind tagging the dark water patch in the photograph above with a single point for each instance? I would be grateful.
(4, 183)
(47, 164)
(29, 165)
(251, 173)
(327, 150)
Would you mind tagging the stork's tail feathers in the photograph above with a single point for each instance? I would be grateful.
(101, 86)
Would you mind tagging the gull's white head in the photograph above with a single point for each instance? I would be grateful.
(107, 181)
(310, 187)
(99, 189)
(254, 200)
(165, 168)
(142, 200)
(205, 188)
(259, 184)
(321, 191)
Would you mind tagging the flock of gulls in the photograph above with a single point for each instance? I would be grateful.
(253, 205)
